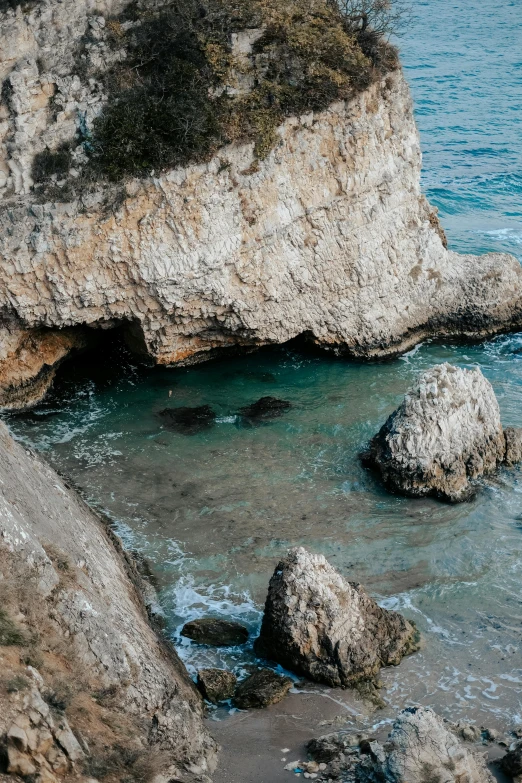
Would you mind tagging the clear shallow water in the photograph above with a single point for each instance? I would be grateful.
(214, 511)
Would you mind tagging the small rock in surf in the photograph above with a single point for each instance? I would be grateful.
(216, 684)
(262, 688)
(218, 633)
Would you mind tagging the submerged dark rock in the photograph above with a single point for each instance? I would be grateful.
(330, 630)
(446, 433)
(216, 684)
(188, 421)
(218, 633)
(265, 408)
(262, 688)
(251, 375)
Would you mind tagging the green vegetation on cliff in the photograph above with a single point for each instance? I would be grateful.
(186, 85)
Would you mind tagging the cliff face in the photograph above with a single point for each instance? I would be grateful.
(86, 685)
(329, 236)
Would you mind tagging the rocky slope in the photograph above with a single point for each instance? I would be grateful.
(86, 685)
(328, 236)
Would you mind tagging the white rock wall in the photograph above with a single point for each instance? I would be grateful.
(329, 236)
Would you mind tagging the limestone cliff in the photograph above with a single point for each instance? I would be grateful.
(328, 237)
(86, 686)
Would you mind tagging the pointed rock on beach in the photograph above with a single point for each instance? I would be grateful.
(328, 629)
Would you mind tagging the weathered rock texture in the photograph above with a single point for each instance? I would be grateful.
(260, 689)
(513, 436)
(318, 624)
(329, 236)
(420, 748)
(446, 433)
(216, 684)
(29, 359)
(86, 684)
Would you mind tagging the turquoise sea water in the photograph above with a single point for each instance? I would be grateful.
(214, 511)
(463, 60)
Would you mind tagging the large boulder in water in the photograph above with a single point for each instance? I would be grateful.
(446, 433)
(330, 630)
(421, 748)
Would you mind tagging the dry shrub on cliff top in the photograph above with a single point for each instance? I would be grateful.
(179, 92)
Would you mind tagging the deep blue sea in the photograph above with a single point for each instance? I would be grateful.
(463, 60)
(214, 511)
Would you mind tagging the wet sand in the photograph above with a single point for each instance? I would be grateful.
(256, 745)
(253, 742)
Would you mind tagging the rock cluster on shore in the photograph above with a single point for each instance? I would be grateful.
(420, 748)
(330, 630)
(446, 433)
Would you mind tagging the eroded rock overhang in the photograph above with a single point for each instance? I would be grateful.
(329, 236)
